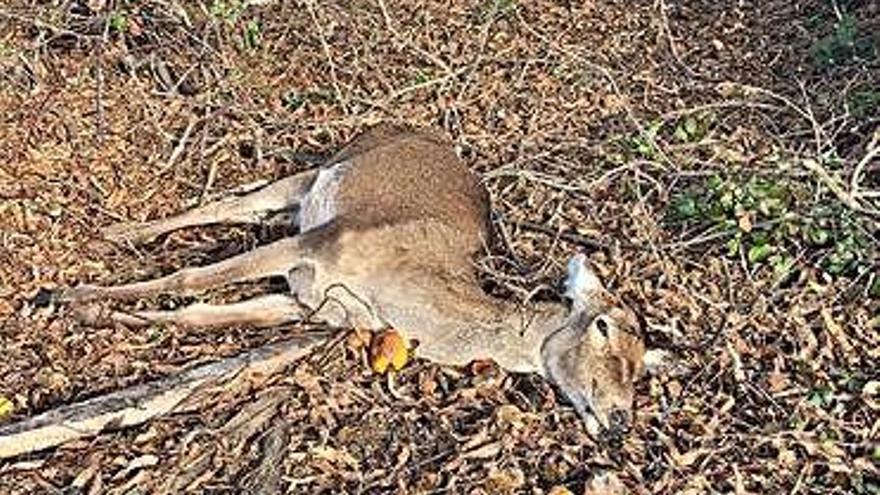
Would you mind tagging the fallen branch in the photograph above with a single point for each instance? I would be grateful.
(138, 404)
(836, 188)
(578, 239)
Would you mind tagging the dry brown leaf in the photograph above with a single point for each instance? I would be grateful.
(688, 458)
(559, 490)
(606, 483)
(510, 415)
(777, 381)
(838, 334)
(505, 480)
(484, 451)
(745, 223)
(333, 455)
(85, 477)
(140, 462)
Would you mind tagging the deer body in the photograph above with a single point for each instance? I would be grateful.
(389, 228)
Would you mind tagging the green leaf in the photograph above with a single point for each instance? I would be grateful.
(680, 134)
(759, 253)
(252, 34)
(653, 129)
(691, 126)
(6, 406)
(292, 100)
(685, 207)
(733, 245)
(817, 236)
(820, 397)
(118, 22)
(727, 200)
(782, 266)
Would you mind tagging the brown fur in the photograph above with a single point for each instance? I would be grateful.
(403, 175)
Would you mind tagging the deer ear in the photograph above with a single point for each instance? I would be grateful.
(580, 280)
(656, 360)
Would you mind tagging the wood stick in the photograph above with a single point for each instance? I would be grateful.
(138, 404)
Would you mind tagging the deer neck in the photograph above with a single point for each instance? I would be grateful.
(479, 328)
(520, 335)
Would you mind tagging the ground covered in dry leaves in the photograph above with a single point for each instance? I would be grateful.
(720, 158)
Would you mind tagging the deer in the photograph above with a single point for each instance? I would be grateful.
(388, 229)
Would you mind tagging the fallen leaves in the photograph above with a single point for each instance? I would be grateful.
(505, 480)
(685, 295)
(6, 406)
(388, 349)
(838, 334)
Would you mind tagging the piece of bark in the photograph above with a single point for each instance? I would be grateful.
(266, 476)
(140, 403)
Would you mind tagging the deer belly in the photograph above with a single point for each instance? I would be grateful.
(320, 205)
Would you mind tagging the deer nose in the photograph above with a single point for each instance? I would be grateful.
(618, 421)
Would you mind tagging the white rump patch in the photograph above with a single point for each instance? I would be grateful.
(580, 280)
(319, 205)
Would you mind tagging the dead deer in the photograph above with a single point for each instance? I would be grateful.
(388, 229)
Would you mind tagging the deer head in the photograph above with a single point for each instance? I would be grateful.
(597, 356)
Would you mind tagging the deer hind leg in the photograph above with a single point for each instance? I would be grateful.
(262, 311)
(275, 259)
(253, 207)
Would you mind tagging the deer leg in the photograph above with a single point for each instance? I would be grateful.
(262, 311)
(274, 259)
(249, 208)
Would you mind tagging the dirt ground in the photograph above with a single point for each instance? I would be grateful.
(722, 155)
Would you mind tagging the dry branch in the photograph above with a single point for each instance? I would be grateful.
(141, 403)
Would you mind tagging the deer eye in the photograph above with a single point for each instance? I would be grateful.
(602, 326)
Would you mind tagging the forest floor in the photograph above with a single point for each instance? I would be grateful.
(723, 154)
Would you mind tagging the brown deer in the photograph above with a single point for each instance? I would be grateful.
(388, 229)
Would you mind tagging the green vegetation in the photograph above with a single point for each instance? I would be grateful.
(118, 22)
(293, 100)
(864, 103)
(252, 35)
(691, 128)
(776, 222)
(846, 43)
(489, 9)
(227, 10)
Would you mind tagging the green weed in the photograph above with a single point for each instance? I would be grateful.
(252, 35)
(845, 44)
(691, 128)
(489, 9)
(118, 22)
(227, 10)
(293, 100)
(864, 103)
(776, 223)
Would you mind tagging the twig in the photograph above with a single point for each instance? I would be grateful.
(99, 82)
(310, 5)
(181, 145)
(43, 25)
(404, 41)
(577, 238)
(720, 105)
(612, 81)
(836, 188)
(673, 49)
(872, 150)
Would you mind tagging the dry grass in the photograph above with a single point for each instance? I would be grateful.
(119, 110)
